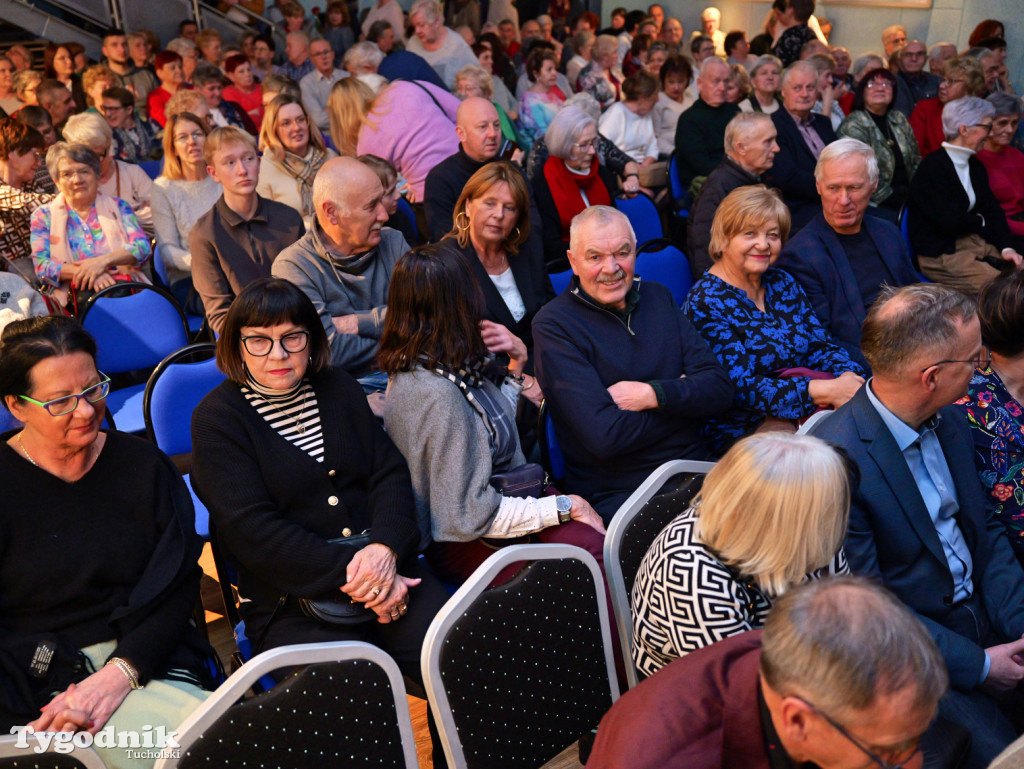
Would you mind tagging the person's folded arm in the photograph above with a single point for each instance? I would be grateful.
(704, 389)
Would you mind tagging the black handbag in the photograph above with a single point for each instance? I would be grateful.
(336, 608)
(527, 480)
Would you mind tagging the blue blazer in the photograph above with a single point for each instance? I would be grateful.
(815, 257)
(893, 540)
(793, 169)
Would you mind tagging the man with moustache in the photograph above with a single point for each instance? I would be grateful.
(628, 380)
(344, 264)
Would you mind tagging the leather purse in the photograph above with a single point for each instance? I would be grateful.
(337, 608)
(527, 480)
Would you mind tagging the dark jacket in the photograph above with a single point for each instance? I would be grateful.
(723, 180)
(273, 507)
(700, 139)
(582, 348)
(555, 249)
(937, 207)
(909, 91)
(793, 169)
(893, 540)
(406, 65)
(815, 257)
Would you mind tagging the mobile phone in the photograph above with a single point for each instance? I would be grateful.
(508, 149)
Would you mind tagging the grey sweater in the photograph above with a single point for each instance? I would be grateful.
(354, 285)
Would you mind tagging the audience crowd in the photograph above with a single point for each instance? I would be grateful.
(414, 239)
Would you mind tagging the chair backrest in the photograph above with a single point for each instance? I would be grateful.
(643, 215)
(675, 184)
(405, 208)
(15, 756)
(551, 456)
(173, 391)
(560, 280)
(516, 672)
(159, 268)
(813, 419)
(666, 493)
(153, 168)
(905, 231)
(661, 261)
(347, 707)
(134, 330)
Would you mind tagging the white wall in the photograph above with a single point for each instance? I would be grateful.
(859, 28)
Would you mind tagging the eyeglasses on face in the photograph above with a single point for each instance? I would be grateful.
(898, 756)
(979, 363)
(260, 346)
(65, 404)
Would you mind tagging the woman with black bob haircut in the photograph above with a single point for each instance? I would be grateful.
(99, 563)
(291, 463)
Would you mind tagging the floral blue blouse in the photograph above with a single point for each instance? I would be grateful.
(997, 427)
(754, 346)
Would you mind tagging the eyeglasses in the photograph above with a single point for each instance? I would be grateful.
(878, 84)
(65, 404)
(75, 173)
(184, 138)
(979, 363)
(584, 146)
(986, 126)
(900, 754)
(260, 346)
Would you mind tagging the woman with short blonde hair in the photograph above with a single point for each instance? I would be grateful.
(771, 514)
(347, 107)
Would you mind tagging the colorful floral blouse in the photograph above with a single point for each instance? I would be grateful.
(754, 346)
(85, 239)
(997, 426)
(536, 111)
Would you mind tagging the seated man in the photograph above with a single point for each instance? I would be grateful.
(700, 132)
(835, 651)
(296, 49)
(627, 377)
(913, 83)
(919, 522)
(842, 259)
(236, 241)
(56, 99)
(344, 263)
(443, 48)
(316, 86)
(802, 137)
(749, 152)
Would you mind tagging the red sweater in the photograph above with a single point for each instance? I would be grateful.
(926, 120)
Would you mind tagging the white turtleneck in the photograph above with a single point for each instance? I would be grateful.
(960, 155)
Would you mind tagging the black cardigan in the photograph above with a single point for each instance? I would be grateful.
(113, 555)
(937, 207)
(273, 507)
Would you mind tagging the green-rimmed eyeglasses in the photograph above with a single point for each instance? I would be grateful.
(260, 346)
(65, 404)
(898, 755)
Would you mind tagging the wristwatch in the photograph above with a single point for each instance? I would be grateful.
(563, 504)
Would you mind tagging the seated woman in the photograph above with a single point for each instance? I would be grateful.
(83, 238)
(602, 78)
(291, 462)
(628, 123)
(963, 77)
(542, 99)
(674, 99)
(994, 405)
(829, 93)
(182, 193)
(293, 151)
(886, 130)
(24, 86)
(474, 80)
(764, 80)
(95, 80)
(244, 90)
(956, 225)
(453, 418)
(21, 149)
(209, 81)
(170, 71)
(503, 98)
(759, 323)
(113, 583)
(571, 179)
(124, 181)
(38, 118)
(1004, 163)
(714, 571)
(135, 138)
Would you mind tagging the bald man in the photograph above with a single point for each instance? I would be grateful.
(480, 142)
(344, 264)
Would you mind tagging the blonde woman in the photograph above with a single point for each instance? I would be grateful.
(347, 107)
(474, 80)
(293, 151)
(772, 513)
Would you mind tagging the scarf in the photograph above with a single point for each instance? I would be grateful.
(565, 189)
(304, 169)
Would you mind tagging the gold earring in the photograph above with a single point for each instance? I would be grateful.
(519, 234)
(460, 227)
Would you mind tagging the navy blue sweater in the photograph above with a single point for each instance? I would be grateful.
(581, 349)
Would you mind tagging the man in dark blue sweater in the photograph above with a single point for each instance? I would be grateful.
(626, 376)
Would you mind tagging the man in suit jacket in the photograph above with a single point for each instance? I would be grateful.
(802, 136)
(919, 521)
(842, 258)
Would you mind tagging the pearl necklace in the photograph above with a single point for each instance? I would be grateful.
(25, 451)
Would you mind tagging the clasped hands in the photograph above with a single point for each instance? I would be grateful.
(372, 579)
(87, 705)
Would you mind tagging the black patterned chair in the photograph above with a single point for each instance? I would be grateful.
(14, 757)
(345, 707)
(518, 671)
(666, 493)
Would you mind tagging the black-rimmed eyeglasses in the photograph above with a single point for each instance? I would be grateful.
(260, 346)
(978, 363)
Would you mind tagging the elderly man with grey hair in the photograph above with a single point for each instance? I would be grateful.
(842, 258)
(956, 224)
(700, 132)
(344, 264)
(920, 521)
(938, 55)
(627, 378)
(316, 86)
(442, 47)
(842, 675)
(750, 149)
(296, 51)
(894, 37)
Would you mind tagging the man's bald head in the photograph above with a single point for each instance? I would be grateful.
(342, 182)
(348, 198)
(479, 129)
